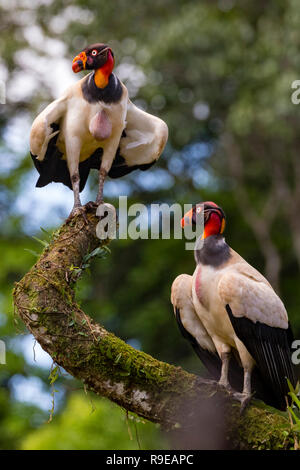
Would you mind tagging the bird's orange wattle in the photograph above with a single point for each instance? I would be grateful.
(103, 73)
(213, 226)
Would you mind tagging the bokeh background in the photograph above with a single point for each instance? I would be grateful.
(220, 74)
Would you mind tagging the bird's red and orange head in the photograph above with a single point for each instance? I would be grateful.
(94, 57)
(209, 213)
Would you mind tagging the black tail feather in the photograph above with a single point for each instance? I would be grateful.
(270, 347)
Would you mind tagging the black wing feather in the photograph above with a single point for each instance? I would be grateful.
(54, 168)
(270, 347)
(119, 167)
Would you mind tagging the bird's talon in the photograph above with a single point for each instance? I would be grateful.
(245, 404)
(91, 206)
(77, 211)
(225, 386)
(244, 400)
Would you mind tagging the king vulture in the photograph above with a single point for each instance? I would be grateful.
(235, 321)
(94, 125)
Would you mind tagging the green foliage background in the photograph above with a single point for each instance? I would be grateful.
(220, 74)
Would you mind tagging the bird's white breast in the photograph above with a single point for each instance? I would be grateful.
(78, 122)
(208, 305)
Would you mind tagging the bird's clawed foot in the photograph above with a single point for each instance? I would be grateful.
(225, 385)
(77, 210)
(91, 206)
(243, 398)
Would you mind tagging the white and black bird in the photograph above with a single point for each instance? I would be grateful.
(94, 125)
(235, 321)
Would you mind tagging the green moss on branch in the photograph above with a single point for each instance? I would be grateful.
(160, 392)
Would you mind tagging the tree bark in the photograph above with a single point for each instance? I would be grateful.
(157, 391)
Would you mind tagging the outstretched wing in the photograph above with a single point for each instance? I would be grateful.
(191, 326)
(46, 126)
(142, 142)
(259, 320)
(45, 154)
(47, 157)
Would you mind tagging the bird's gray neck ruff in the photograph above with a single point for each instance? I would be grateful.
(213, 252)
(112, 93)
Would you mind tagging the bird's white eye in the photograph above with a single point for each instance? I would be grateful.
(94, 52)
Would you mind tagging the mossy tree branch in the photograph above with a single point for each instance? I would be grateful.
(157, 391)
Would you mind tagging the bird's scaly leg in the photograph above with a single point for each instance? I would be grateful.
(224, 382)
(75, 185)
(109, 153)
(246, 390)
(245, 397)
(77, 208)
(73, 146)
(102, 176)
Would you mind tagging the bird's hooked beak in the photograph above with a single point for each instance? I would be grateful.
(191, 217)
(187, 219)
(79, 62)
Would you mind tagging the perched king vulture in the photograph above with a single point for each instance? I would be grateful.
(235, 321)
(94, 125)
